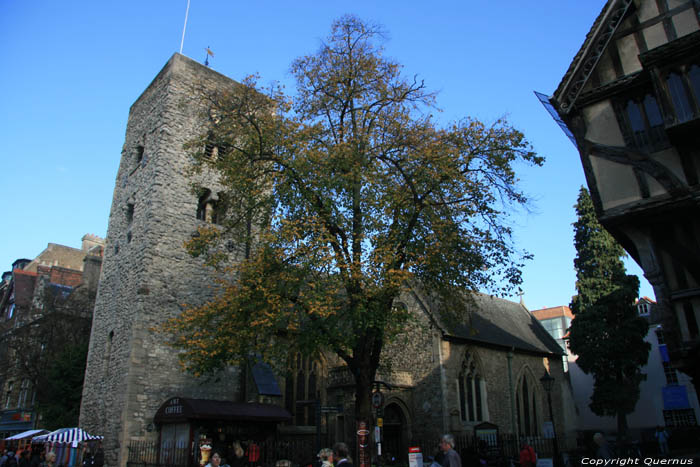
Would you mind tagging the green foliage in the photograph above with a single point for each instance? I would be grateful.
(339, 196)
(606, 334)
(59, 403)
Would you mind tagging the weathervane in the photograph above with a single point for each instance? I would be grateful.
(209, 53)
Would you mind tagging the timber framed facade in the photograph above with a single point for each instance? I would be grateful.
(630, 102)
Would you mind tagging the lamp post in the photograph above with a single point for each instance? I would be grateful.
(548, 383)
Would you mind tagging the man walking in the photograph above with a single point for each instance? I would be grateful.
(447, 445)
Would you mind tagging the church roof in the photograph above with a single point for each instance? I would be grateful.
(501, 323)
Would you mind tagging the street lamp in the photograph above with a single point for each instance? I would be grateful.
(548, 383)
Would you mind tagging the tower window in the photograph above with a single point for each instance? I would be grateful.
(129, 213)
(139, 154)
(208, 208)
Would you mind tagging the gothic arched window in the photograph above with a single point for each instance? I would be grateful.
(526, 406)
(471, 388)
(302, 389)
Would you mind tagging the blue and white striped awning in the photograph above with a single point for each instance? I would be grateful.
(66, 435)
(26, 434)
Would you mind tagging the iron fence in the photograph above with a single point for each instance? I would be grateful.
(151, 454)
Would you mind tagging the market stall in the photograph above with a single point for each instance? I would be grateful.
(21, 441)
(67, 443)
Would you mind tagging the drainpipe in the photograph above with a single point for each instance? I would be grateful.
(512, 390)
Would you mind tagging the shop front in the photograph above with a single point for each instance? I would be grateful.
(16, 421)
(192, 429)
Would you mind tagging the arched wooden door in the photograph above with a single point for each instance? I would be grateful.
(395, 439)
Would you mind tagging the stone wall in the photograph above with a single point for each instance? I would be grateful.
(423, 367)
(147, 276)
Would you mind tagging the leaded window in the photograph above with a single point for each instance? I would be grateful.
(471, 394)
(526, 406)
(302, 389)
(642, 123)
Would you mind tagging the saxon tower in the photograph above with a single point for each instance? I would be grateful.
(147, 275)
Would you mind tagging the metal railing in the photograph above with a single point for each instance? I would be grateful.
(151, 454)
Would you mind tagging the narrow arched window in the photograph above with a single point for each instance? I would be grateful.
(526, 407)
(470, 387)
(208, 207)
(302, 389)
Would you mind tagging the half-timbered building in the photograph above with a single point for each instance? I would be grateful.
(630, 102)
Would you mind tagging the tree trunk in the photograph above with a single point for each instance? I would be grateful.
(621, 427)
(364, 378)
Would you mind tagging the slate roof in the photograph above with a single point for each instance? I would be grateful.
(501, 323)
(265, 380)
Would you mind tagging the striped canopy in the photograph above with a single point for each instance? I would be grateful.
(66, 435)
(26, 434)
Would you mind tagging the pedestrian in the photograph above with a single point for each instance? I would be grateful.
(35, 457)
(3, 459)
(88, 458)
(50, 460)
(528, 458)
(214, 460)
(341, 453)
(99, 455)
(253, 453)
(24, 458)
(11, 459)
(604, 451)
(447, 446)
(325, 457)
(662, 438)
(238, 459)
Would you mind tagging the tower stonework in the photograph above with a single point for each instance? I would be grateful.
(147, 276)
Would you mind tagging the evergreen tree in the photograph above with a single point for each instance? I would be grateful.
(606, 334)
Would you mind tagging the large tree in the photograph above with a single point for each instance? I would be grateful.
(337, 197)
(606, 333)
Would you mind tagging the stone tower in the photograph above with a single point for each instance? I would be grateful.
(147, 275)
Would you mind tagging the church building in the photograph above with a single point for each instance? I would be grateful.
(481, 374)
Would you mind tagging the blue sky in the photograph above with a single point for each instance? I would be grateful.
(71, 70)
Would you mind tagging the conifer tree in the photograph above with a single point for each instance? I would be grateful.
(606, 334)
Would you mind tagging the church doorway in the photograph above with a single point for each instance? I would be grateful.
(395, 439)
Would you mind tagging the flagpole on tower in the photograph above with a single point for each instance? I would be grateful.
(187, 12)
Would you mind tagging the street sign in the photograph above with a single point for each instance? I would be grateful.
(377, 399)
(331, 408)
(415, 457)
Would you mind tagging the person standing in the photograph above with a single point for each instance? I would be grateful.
(341, 453)
(527, 455)
(447, 445)
(49, 460)
(662, 438)
(604, 451)
(325, 457)
(24, 458)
